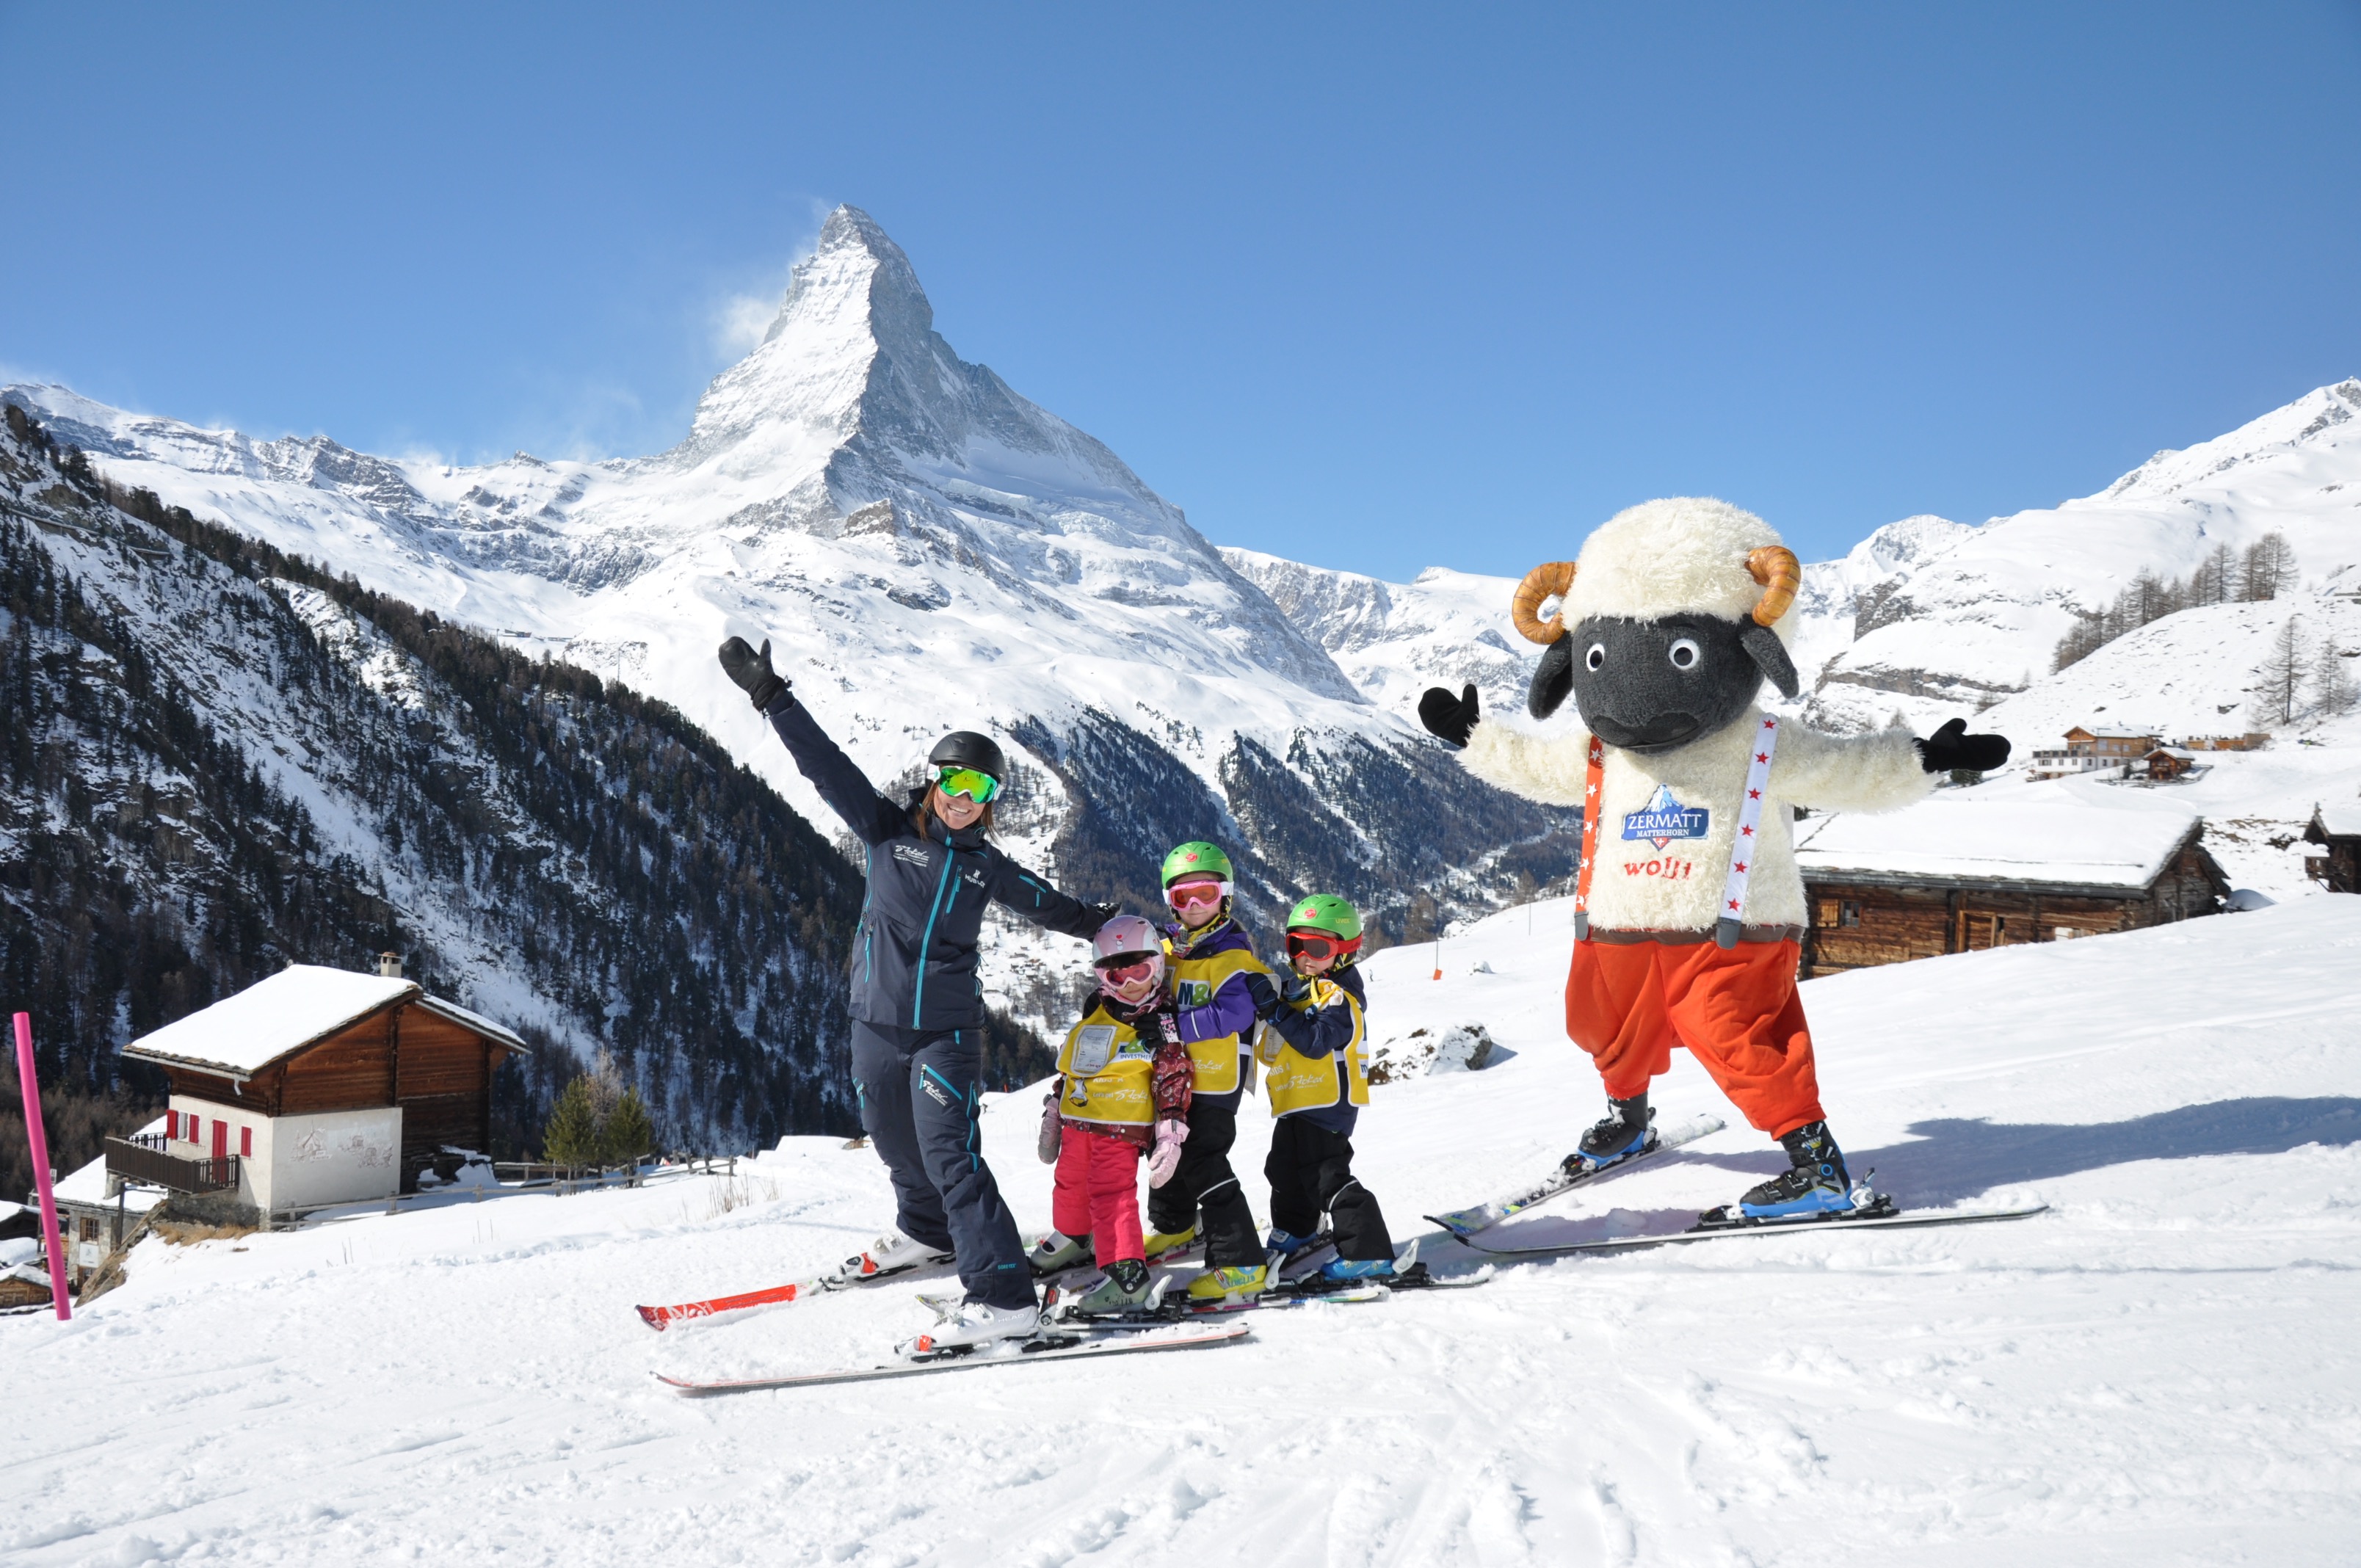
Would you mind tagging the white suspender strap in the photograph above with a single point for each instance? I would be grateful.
(1750, 819)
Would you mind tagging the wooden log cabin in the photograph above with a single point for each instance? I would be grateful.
(1954, 875)
(316, 1086)
(2337, 829)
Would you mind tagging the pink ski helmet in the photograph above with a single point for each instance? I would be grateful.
(1128, 953)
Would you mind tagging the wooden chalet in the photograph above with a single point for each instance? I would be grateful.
(2336, 830)
(315, 1086)
(1951, 875)
(2166, 763)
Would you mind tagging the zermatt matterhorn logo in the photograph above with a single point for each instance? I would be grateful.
(1663, 819)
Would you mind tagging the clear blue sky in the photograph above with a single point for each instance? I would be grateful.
(1373, 287)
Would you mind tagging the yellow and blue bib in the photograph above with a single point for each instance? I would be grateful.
(1217, 1063)
(1296, 1082)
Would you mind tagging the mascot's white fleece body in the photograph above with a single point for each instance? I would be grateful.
(1666, 558)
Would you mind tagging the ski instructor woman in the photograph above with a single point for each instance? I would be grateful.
(917, 1013)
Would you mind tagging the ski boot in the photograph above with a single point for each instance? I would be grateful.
(1158, 1242)
(973, 1326)
(889, 1254)
(1228, 1285)
(1053, 1251)
(1352, 1270)
(1624, 1131)
(1123, 1287)
(1285, 1244)
(1814, 1186)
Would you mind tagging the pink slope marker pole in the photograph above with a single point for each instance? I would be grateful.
(38, 1138)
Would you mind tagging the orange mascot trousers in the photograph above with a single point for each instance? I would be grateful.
(1735, 1009)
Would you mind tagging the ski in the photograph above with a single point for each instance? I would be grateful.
(1408, 1273)
(1466, 1222)
(1890, 1219)
(662, 1318)
(1052, 1345)
(1184, 1311)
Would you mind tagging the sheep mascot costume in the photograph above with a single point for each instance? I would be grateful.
(1688, 908)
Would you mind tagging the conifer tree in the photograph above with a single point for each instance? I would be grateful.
(2280, 676)
(571, 1137)
(2334, 692)
(628, 1134)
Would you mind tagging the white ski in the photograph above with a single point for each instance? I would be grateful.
(1817, 1225)
(1049, 1346)
(1466, 1222)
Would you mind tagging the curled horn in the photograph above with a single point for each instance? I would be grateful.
(1550, 577)
(1775, 567)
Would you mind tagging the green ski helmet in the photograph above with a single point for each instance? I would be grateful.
(1329, 921)
(1197, 858)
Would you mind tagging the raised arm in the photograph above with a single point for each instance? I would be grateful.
(840, 783)
(1878, 772)
(1030, 895)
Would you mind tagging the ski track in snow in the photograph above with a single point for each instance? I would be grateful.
(2160, 1371)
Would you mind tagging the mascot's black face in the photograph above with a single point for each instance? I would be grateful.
(1655, 685)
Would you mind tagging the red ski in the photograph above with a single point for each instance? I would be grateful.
(662, 1318)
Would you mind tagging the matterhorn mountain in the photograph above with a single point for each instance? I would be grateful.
(926, 550)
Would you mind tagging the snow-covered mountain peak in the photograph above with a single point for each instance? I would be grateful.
(2314, 426)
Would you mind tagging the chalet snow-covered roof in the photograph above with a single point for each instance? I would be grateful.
(2038, 844)
(241, 1035)
(2338, 819)
(476, 1021)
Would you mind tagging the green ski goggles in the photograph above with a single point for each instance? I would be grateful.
(979, 787)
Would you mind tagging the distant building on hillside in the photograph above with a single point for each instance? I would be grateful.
(2337, 830)
(1950, 876)
(315, 1086)
(2169, 762)
(2098, 752)
(2254, 742)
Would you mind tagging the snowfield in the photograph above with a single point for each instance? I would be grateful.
(2162, 1370)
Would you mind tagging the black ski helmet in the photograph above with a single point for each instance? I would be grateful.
(966, 748)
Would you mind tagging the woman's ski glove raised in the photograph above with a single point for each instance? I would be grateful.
(1166, 1159)
(1053, 1130)
(1449, 719)
(752, 671)
(1952, 747)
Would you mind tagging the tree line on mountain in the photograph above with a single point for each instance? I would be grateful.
(2301, 675)
(2263, 571)
(672, 909)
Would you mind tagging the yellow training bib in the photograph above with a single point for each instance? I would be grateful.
(1298, 1082)
(1216, 1062)
(1107, 1070)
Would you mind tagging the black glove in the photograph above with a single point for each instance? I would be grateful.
(1101, 913)
(1952, 747)
(1447, 717)
(1265, 994)
(1292, 987)
(752, 671)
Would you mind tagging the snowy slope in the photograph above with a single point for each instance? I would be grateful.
(1979, 618)
(2160, 1372)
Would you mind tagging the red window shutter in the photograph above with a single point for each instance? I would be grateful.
(221, 1138)
(172, 1125)
(246, 1143)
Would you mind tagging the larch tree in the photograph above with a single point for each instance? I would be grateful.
(2281, 675)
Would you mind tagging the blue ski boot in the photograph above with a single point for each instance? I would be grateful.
(1347, 1269)
(1816, 1184)
(1621, 1135)
(1285, 1245)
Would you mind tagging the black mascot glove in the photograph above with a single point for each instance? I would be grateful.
(1447, 718)
(1952, 747)
(1264, 996)
(752, 671)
